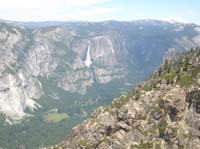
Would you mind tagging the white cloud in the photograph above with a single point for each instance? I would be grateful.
(17, 4)
(93, 12)
(41, 10)
(83, 3)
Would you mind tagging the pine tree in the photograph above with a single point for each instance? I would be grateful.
(186, 63)
(166, 65)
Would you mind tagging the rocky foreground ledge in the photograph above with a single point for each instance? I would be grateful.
(163, 112)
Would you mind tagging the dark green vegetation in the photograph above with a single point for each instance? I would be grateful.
(181, 70)
(34, 132)
(48, 127)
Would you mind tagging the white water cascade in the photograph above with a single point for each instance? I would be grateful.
(88, 60)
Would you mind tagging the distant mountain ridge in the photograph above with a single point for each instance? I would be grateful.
(36, 24)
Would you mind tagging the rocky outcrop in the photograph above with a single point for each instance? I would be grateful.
(159, 113)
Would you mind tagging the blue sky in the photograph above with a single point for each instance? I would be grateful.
(100, 10)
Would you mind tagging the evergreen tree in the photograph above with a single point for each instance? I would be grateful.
(186, 63)
(166, 64)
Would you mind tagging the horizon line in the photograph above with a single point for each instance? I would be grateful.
(90, 21)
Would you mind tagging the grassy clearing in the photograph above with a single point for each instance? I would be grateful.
(55, 117)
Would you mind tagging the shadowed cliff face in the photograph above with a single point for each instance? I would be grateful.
(75, 56)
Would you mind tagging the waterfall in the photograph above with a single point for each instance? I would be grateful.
(88, 60)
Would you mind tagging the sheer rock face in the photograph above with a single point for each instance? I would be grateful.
(155, 115)
(18, 88)
(118, 50)
(17, 94)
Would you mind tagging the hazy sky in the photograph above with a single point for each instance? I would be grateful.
(99, 10)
